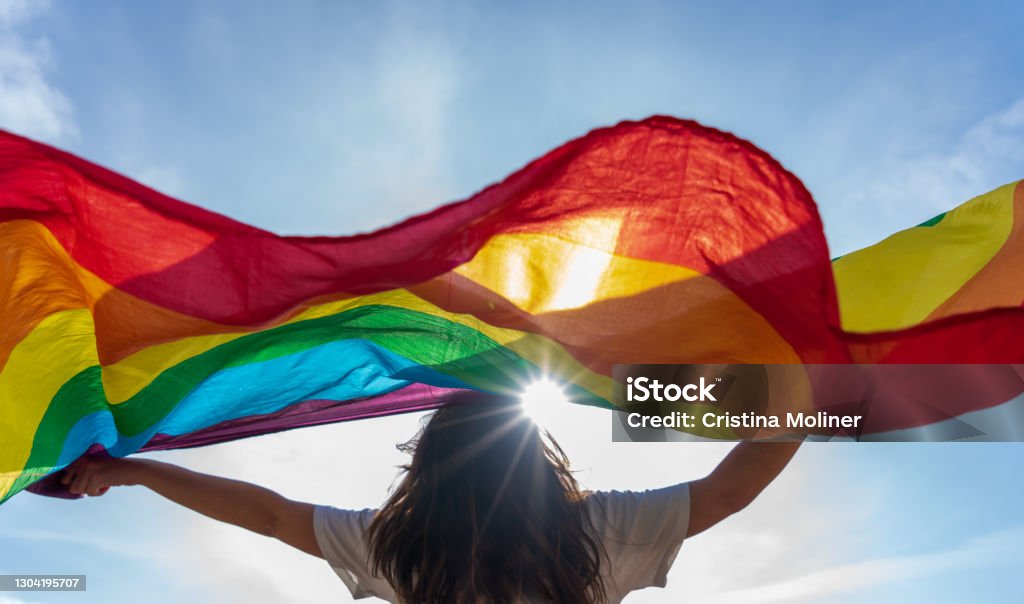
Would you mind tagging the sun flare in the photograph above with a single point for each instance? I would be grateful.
(542, 399)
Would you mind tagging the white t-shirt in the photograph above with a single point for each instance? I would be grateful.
(641, 532)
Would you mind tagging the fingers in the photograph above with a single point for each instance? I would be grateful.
(80, 480)
(69, 472)
(95, 487)
(86, 476)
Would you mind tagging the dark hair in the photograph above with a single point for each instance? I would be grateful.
(487, 511)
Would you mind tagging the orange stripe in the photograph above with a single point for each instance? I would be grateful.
(697, 320)
(42, 279)
(1000, 283)
(39, 281)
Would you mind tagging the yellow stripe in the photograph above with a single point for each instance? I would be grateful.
(127, 377)
(40, 279)
(899, 281)
(60, 347)
(542, 273)
(680, 315)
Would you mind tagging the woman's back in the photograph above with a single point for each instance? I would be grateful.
(639, 534)
(487, 511)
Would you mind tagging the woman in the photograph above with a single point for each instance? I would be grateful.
(487, 511)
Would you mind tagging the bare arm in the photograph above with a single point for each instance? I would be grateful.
(736, 481)
(246, 505)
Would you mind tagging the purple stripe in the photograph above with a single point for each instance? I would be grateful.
(415, 397)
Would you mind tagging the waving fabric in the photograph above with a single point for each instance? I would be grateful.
(132, 321)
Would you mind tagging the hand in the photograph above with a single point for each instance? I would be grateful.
(93, 476)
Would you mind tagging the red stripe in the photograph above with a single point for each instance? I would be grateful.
(682, 185)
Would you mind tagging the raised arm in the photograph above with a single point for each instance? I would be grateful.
(246, 505)
(736, 481)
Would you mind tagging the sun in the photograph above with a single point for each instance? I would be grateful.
(542, 400)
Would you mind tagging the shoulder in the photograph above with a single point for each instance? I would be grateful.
(654, 507)
(341, 535)
(641, 532)
(331, 518)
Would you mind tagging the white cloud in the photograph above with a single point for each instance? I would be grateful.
(903, 184)
(1000, 548)
(102, 544)
(29, 103)
(987, 155)
(18, 11)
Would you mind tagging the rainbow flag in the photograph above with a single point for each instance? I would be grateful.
(131, 321)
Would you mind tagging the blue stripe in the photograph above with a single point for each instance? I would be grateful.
(341, 371)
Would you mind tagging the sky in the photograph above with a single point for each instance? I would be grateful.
(337, 118)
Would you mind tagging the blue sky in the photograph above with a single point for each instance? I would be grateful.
(337, 118)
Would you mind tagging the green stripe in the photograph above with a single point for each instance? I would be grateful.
(446, 346)
(81, 395)
(933, 221)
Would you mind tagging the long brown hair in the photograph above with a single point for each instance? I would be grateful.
(487, 511)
